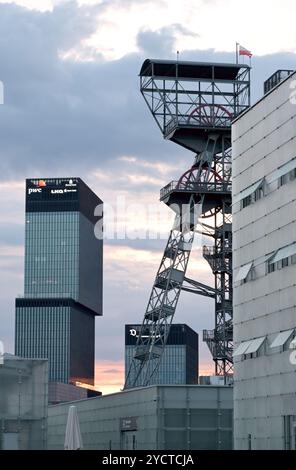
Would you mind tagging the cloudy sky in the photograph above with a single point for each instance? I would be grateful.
(73, 107)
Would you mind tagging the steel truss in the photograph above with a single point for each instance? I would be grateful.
(196, 114)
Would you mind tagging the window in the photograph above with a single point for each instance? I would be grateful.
(244, 273)
(283, 180)
(271, 267)
(250, 276)
(285, 262)
(282, 258)
(255, 345)
(247, 201)
(290, 176)
(290, 432)
(259, 193)
(284, 173)
(250, 194)
(241, 349)
(281, 339)
(249, 347)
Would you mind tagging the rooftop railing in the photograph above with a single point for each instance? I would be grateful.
(196, 187)
(203, 121)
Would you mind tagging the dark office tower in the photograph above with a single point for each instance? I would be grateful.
(179, 363)
(63, 279)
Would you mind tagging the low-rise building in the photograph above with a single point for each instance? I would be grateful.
(23, 403)
(175, 417)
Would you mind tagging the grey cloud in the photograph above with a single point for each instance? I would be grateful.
(11, 234)
(162, 42)
(67, 114)
(81, 115)
(30, 40)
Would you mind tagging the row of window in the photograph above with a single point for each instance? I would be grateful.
(44, 230)
(44, 332)
(69, 267)
(251, 198)
(48, 272)
(280, 259)
(43, 247)
(64, 215)
(172, 368)
(291, 176)
(52, 256)
(59, 261)
(45, 244)
(283, 341)
(283, 263)
(48, 257)
(54, 281)
(52, 277)
(258, 190)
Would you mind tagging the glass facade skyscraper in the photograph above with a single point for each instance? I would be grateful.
(52, 254)
(63, 278)
(179, 363)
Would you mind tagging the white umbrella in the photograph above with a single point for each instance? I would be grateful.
(73, 440)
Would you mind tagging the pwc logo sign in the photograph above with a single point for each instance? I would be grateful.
(34, 190)
(39, 185)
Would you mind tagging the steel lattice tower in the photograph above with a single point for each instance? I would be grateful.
(193, 104)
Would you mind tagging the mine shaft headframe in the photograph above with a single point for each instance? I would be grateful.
(190, 99)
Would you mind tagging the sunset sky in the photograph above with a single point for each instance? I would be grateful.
(73, 108)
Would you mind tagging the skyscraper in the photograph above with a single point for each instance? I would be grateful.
(63, 278)
(179, 364)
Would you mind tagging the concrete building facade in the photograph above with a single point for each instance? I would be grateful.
(151, 418)
(264, 269)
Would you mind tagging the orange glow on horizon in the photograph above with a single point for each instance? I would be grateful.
(109, 375)
(206, 368)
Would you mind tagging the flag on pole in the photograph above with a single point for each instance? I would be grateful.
(243, 51)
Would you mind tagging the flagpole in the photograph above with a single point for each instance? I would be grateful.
(236, 51)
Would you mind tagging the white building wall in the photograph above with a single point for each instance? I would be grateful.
(264, 139)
